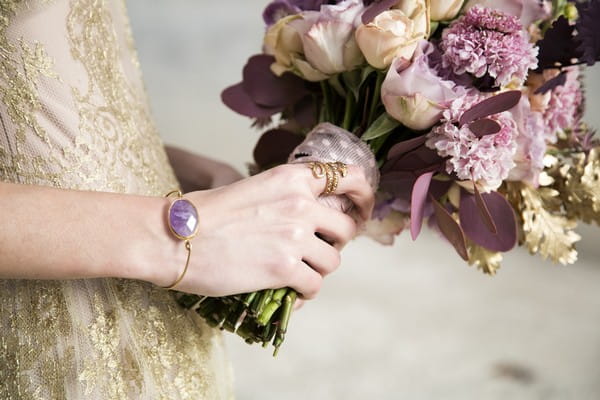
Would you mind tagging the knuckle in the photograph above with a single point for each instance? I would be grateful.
(296, 233)
(296, 205)
(283, 265)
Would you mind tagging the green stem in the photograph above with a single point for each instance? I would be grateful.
(326, 107)
(349, 111)
(286, 312)
(265, 316)
(376, 97)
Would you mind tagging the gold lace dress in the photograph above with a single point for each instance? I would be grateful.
(73, 114)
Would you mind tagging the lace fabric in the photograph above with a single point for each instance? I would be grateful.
(73, 114)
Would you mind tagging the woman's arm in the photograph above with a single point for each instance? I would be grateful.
(48, 233)
(254, 234)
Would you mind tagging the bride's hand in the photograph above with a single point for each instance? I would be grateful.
(259, 233)
(196, 172)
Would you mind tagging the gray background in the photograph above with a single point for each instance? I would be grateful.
(410, 321)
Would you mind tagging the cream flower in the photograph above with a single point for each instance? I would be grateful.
(394, 33)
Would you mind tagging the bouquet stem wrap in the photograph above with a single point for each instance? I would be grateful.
(263, 316)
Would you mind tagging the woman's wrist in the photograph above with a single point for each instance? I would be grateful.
(157, 256)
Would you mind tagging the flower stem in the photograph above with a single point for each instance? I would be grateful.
(375, 100)
(349, 111)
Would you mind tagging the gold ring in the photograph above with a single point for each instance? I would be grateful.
(332, 171)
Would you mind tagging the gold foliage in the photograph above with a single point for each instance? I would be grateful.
(546, 231)
(579, 185)
(486, 260)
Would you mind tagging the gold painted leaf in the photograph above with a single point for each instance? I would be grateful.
(546, 233)
(484, 259)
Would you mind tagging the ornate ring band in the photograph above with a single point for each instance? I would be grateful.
(182, 219)
(332, 171)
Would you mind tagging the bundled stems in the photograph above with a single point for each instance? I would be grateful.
(258, 317)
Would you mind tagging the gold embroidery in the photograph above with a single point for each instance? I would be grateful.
(101, 338)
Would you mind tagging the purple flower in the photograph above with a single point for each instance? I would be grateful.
(564, 107)
(531, 144)
(490, 44)
(485, 159)
(528, 11)
(417, 95)
(278, 9)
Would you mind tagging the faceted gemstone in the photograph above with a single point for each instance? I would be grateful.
(183, 218)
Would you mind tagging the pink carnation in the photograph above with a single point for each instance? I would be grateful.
(488, 42)
(531, 144)
(487, 160)
(564, 106)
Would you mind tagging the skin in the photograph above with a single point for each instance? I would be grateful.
(256, 233)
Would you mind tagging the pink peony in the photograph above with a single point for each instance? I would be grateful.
(487, 42)
(487, 160)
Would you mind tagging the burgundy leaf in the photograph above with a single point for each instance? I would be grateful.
(377, 8)
(588, 32)
(450, 229)
(275, 146)
(268, 89)
(417, 203)
(493, 105)
(304, 112)
(418, 161)
(501, 213)
(404, 147)
(485, 126)
(484, 211)
(558, 80)
(398, 183)
(237, 99)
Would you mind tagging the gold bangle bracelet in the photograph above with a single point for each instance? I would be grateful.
(188, 247)
(182, 219)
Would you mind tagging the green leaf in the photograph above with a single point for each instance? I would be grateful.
(380, 127)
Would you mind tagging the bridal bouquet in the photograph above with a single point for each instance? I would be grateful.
(469, 110)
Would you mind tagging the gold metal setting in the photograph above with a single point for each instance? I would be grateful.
(186, 239)
(332, 171)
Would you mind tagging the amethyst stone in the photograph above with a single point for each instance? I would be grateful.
(183, 219)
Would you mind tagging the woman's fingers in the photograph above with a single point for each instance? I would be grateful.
(333, 226)
(305, 280)
(321, 256)
(354, 185)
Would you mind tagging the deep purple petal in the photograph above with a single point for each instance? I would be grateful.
(377, 8)
(490, 106)
(278, 9)
(451, 229)
(485, 126)
(268, 89)
(475, 228)
(275, 146)
(560, 46)
(236, 98)
(417, 203)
